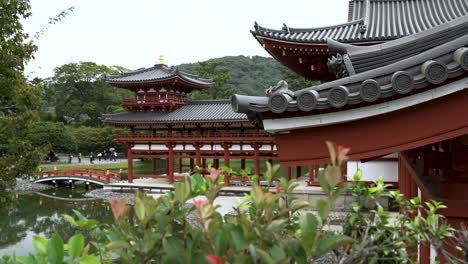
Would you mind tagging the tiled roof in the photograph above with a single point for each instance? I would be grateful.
(374, 20)
(158, 72)
(390, 70)
(193, 111)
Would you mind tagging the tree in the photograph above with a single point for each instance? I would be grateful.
(19, 99)
(294, 80)
(92, 139)
(78, 92)
(221, 89)
(54, 134)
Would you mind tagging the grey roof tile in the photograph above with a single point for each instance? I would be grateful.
(193, 111)
(375, 20)
(158, 72)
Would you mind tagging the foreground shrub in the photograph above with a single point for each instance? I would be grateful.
(269, 226)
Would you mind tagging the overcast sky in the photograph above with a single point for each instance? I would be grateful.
(134, 33)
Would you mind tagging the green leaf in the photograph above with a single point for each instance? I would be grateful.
(277, 225)
(23, 260)
(182, 190)
(339, 191)
(75, 246)
(40, 245)
(309, 227)
(117, 245)
(323, 183)
(70, 219)
(323, 208)
(172, 246)
(264, 256)
(237, 238)
(358, 175)
(222, 242)
(55, 249)
(89, 259)
(277, 253)
(140, 210)
(330, 243)
(298, 205)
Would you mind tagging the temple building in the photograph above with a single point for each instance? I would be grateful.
(370, 22)
(164, 125)
(405, 92)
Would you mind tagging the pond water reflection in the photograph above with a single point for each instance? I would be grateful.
(42, 214)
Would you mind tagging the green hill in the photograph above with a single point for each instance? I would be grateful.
(251, 75)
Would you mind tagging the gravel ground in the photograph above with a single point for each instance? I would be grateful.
(29, 186)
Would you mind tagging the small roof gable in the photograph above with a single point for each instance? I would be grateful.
(157, 73)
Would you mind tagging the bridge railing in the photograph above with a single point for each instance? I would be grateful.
(100, 175)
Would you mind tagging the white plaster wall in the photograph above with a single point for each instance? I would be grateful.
(371, 170)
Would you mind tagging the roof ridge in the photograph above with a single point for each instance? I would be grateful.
(123, 74)
(357, 21)
(291, 29)
(208, 101)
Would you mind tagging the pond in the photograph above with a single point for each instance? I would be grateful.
(41, 214)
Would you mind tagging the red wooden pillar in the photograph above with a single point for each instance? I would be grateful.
(243, 163)
(298, 172)
(288, 173)
(153, 166)
(130, 165)
(180, 165)
(226, 164)
(170, 165)
(198, 155)
(256, 160)
(192, 164)
(204, 168)
(311, 174)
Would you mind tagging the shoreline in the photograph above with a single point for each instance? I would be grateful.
(24, 186)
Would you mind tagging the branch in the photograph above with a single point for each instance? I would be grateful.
(53, 21)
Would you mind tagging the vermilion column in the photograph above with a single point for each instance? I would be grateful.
(170, 165)
(198, 155)
(180, 165)
(243, 163)
(311, 174)
(226, 164)
(256, 160)
(130, 165)
(192, 165)
(153, 166)
(288, 173)
(298, 171)
(204, 166)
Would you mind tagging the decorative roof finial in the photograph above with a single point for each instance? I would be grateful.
(161, 60)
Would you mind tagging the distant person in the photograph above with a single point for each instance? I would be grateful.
(79, 157)
(99, 156)
(70, 157)
(115, 155)
(91, 158)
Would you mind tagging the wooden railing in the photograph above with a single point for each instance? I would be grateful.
(218, 137)
(103, 176)
(169, 101)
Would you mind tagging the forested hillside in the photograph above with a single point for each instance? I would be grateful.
(249, 75)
